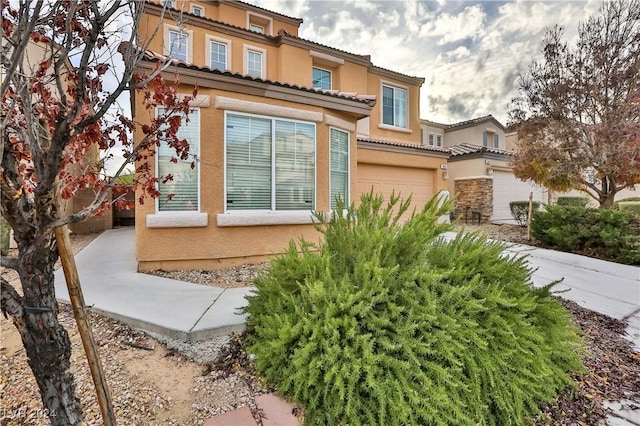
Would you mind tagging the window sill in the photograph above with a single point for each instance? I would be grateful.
(177, 220)
(264, 218)
(394, 128)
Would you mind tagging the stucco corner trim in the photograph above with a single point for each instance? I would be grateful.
(339, 122)
(239, 105)
(177, 220)
(394, 128)
(258, 219)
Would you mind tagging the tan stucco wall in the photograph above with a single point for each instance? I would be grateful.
(472, 167)
(473, 135)
(293, 65)
(212, 246)
(426, 129)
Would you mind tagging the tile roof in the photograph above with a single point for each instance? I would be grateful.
(474, 121)
(405, 145)
(352, 96)
(271, 11)
(469, 148)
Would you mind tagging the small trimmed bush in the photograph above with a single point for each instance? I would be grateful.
(5, 235)
(630, 206)
(520, 210)
(385, 323)
(605, 233)
(572, 201)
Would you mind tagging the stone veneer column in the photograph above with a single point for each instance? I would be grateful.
(476, 193)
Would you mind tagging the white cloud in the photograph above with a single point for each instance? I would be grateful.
(451, 28)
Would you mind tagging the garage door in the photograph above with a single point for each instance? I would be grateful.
(507, 188)
(404, 180)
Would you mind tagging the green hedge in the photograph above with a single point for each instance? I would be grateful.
(630, 206)
(520, 210)
(385, 323)
(572, 201)
(605, 233)
(4, 236)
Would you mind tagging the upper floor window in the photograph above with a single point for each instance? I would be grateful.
(255, 62)
(197, 10)
(178, 45)
(181, 193)
(168, 3)
(485, 139)
(394, 106)
(321, 78)
(218, 55)
(270, 163)
(431, 139)
(439, 140)
(496, 141)
(256, 28)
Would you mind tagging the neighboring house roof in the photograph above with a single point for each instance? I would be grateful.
(465, 151)
(244, 5)
(439, 151)
(474, 122)
(433, 123)
(332, 96)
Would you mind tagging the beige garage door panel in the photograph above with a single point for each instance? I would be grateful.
(507, 188)
(386, 179)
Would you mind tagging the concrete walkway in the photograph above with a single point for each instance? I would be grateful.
(111, 285)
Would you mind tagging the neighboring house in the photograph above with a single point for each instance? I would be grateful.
(281, 126)
(480, 177)
(35, 54)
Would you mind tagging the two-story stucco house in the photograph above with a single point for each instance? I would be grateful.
(281, 126)
(480, 177)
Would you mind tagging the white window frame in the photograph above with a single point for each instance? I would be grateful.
(496, 141)
(168, 4)
(298, 216)
(325, 70)
(260, 21)
(394, 86)
(438, 139)
(199, 8)
(348, 195)
(167, 30)
(431, 139)
(211, 39)
(245, 53)
(157, 201)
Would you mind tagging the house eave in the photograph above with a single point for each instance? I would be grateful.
(401, 149)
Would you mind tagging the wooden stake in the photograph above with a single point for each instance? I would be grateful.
(84, 328)
(529, 216)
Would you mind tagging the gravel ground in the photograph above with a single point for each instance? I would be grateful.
(162, 382)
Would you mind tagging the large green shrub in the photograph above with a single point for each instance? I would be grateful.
(385, 323)
(572, 201)
(606, 233)
(520, 210)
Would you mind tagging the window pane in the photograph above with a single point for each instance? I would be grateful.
(257, 28)
(387, 105)
(248, 143)
(439, 140)
(197, 11)
(321, 79)
(218, 55)
(295, 165)
(183, 189)
(339, 184)
(484, 138)
(254, 64)
(178, 46)
(430, 139)
(400, 107)
(496, 141)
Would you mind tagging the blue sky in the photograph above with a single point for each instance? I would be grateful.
(470, 53)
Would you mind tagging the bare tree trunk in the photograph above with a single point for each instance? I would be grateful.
(46, 342)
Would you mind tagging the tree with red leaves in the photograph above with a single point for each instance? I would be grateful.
(60, 92)
(578, 118)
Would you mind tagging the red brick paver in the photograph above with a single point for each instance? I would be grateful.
(276, 411)
(239, 417)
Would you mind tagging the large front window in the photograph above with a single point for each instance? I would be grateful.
(270, 164)
(218, 53)
(339, 184)
(181, 192)
(394, 106)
